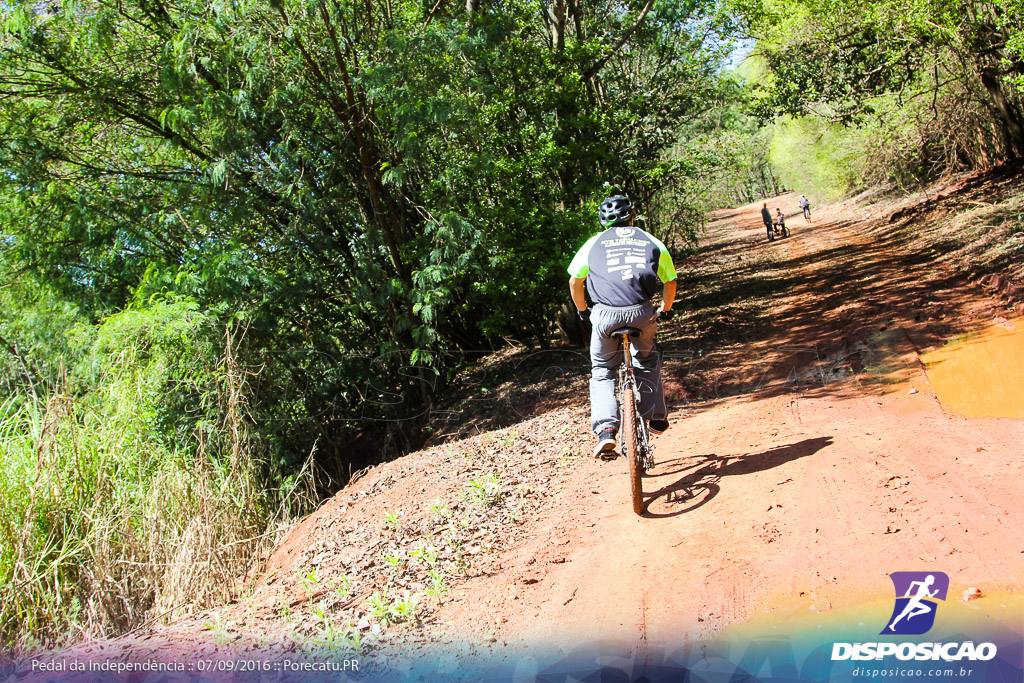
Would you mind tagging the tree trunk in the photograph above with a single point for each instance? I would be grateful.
(1009, 116)
(558, 25)
(771, 177)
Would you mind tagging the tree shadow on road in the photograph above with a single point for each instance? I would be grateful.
(702, 476)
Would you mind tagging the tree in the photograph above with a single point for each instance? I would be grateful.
(377, 189)
(833, 59)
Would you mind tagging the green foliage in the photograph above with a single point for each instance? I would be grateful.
(380, 607)
(284, 223)
(930, 84)
(424, 553)
(438, 584)
(335, 638)
(403, 609)
(369, 187)
(344, 587)
(33, 338)
(1010, 18)
(218, 628)
(822, 158)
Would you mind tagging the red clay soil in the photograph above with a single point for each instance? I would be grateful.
(831, 465)
(808, 458)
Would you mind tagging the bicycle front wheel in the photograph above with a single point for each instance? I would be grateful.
(631, 449)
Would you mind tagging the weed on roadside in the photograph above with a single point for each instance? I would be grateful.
(343, 587)
(438, 585)
(333, 637)
(404, 609)
(219, 629)
(484, 490)
(380, 607)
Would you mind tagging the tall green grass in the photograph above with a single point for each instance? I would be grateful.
(134, 492)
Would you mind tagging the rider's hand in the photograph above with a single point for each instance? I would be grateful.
(584, 314)
(666, 315)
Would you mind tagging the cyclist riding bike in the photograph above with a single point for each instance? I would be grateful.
(621, 269)
(780, 220)
(805, 206)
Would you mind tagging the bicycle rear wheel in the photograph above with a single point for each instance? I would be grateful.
(631, 449)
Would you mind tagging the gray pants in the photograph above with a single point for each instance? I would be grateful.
(606, 357)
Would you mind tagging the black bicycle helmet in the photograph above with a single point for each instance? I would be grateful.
(615, 209)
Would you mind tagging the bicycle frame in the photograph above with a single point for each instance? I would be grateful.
(627, 380)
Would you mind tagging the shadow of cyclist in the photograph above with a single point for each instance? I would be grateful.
(704, 473)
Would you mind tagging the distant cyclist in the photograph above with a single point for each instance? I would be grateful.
(622, 268)
(805, 206)
(766, 216)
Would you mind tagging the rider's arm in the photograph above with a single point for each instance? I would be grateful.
(666, 273)
(668, 296)
(577, 288)
(578, 270)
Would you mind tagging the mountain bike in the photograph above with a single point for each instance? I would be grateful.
(634, 436)
(778, 230)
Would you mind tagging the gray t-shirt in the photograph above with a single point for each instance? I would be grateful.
(623, 266)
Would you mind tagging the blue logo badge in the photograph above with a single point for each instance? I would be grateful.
(917, 596)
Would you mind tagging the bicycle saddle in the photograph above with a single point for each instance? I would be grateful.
(623, 331)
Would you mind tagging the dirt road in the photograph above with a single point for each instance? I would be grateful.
(808, 459)
(831, 465)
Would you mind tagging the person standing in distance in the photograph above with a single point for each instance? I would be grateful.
(622, 268)
(766, 216)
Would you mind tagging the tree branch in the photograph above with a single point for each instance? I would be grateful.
(599, 64)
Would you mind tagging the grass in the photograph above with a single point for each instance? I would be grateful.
(219, 630)
(103, 529)
(343, 586)
(105, 523)
(380, 607)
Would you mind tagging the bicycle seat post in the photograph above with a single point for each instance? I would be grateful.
(624, 333)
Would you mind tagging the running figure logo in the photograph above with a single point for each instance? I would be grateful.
(917, 594)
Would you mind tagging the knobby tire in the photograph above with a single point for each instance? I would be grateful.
(630, 434)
